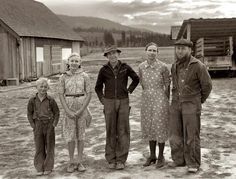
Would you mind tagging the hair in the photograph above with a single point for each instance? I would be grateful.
(74, 54)
(41, 81)
(149, 44)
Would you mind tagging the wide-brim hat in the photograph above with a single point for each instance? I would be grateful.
(110, 49)
(184, 42)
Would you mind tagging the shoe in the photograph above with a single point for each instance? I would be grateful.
(39, 173)
(81, 167)
(149, 162)
(173, 165)
(70, 168)
(160, 162)
(112, 165)
(75, 166)
(193, 169)
(120, 166)
(47, 172)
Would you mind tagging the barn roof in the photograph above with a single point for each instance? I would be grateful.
(217, 27)
(30, 18)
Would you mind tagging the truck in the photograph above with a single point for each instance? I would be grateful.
(214, 42)
(216, 53)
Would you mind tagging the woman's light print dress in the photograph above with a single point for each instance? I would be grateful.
(154, 105)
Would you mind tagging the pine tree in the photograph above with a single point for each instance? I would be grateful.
(108, 38)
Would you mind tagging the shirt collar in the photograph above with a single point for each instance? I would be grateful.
(154, 65)
(188, 62)
(36, 96)
(117, 65)
(80, 70)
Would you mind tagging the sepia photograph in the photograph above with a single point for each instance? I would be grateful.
(117, 89)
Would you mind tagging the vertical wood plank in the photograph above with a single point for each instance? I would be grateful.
(189, 31)
(76, 47)
(47, 60)
(56, 59)
(21, 53)
(33, 58)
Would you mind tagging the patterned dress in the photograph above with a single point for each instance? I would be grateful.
(154, 105)
(74, 84)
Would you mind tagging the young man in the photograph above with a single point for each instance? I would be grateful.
(114, 75)
(191, 87)
(43, 115)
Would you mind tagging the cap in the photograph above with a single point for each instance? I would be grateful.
(184, 42)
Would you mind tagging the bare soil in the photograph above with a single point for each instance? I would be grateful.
(218, 134)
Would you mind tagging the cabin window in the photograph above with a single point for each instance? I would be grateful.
(39, 54)
(66, 53)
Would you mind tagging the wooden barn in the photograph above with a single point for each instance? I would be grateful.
(214, 41)
(34, 42)
(174, 30)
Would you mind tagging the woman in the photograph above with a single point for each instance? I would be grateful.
(155, 82)
(75, 95)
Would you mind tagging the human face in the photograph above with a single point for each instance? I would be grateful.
(42, 88)
(113, 56)
(74, 62)
(152, 52)
(182, 52)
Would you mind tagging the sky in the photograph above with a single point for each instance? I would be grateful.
(157, 15)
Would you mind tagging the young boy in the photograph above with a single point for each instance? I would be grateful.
(43, 114)
(115, 98)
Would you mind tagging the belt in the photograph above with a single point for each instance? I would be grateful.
(74, 95)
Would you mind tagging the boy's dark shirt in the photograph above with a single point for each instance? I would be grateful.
(115, 81)
(47, 110)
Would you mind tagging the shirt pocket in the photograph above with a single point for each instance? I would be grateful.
(122, 73)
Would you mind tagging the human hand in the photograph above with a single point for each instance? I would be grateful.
(102, 100)
(79, 113)
(32, 125)
(71, 114)
(54, 125)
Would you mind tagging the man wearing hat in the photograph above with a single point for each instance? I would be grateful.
(191, 87)
(114, 75)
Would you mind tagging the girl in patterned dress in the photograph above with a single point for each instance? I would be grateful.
(155, 82)
(75, 95)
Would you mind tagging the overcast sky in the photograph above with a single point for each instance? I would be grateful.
(156, 14)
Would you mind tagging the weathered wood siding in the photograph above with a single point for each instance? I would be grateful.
(53, 55)
(56, 59)
(28, 68)
(18, 59)
(9, 57)
(76, 47)
(208, 28)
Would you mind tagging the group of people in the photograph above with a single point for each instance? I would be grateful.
(178, 122)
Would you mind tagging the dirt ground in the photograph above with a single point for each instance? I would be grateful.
(218, 137)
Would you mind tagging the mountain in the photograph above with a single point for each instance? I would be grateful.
(153, 28)
(94, 30)
(84, 22)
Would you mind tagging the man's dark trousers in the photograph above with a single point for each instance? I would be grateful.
(185, 132)
(117, 129)
(44, 137)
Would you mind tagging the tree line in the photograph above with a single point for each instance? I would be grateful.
(98, 37)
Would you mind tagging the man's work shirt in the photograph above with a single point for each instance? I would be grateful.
(115, 70)
(182, 69)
